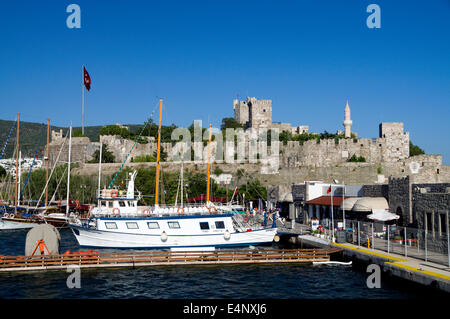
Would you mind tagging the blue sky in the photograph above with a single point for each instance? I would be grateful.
(307, 56)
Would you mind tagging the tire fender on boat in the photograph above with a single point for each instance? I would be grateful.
(163, 236)
(227, 235)
(116, 211)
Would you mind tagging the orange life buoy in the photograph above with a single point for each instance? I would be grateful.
(116, 211)
(114, 193)
(180, 210)
(78, 203)
(212, 210)
(146, 212)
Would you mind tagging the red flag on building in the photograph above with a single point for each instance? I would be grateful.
(87, 79)
(329, 190)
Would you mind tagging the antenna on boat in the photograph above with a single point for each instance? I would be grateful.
(157, 155)
(209, 166)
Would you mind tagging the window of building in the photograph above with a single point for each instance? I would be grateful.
(220, 225)
(204, 226)
(132, 225)
(429, 224)
(173, 225)
(110, 225)
(443, 224)
(153, 225)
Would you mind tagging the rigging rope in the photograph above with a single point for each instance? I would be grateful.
(129, 153)
(34, 159)
(7, 139)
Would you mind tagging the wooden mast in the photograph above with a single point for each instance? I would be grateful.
(48, 160)
(209, 165)
(157, 155)
(16, 199)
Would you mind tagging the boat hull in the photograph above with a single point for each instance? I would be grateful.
(9, 225)
(107, 239)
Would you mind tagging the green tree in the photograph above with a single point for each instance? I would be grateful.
(415, 150)
(107, 156)
(2, 172)
(354, 158)
(230, 122)
(78, 133)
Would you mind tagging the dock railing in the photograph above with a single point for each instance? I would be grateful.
(94, 259)
(427, 245)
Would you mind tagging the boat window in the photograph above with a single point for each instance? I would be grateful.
(131, 204)
(173, 225)
(220, 225)
(204, 226)
(121, 203)
(103, 203)
(132, 225)
(153, 225)
(110, 204)
(110, 225)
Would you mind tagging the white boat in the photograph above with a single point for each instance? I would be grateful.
(118, 222)
(12, 225)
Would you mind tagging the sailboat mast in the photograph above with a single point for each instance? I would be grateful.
(157, 155)
(100, 168)
(48, 160)
(16, 199)
(209, 165)
(182, 184)
(68, 170)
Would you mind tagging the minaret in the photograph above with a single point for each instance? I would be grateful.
(347, 121)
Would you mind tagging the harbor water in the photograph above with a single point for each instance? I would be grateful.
(279, 281)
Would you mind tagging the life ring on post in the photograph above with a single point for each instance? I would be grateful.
(116, 211)
(146, 212)
(5, 215)
(180, 210)
(12, 215)
(114, 193)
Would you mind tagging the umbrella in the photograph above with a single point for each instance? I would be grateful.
(382, 215)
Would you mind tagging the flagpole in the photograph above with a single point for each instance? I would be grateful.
(82, 100)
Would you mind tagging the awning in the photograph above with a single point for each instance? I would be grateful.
(348, 203)
(382, 215)
(368, 204)
(325, 201)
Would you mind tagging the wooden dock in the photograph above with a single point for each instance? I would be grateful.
(93, 259)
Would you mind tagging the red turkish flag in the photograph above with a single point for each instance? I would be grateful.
(329, 190)
(87, 79)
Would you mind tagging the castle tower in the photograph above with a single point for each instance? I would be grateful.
(347, 121)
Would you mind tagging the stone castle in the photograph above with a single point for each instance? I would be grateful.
(386, 155)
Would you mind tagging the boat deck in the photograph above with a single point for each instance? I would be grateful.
(93, 259)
